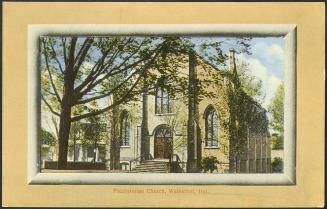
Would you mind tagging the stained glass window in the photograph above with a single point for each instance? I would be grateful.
(164, 102)
(211, 127)
(124, 129)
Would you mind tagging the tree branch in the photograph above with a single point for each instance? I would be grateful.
(56, 58)
(123, 99)
(50, 76)
(108, 93)
(101, 68)
(71, 59)
(64, 50)
(82, 54)
(90, 114)
(114, 55)
(92, 74)
(49, 106)
(96, 70)
(89, 80)
(92, 85)
(111, 72)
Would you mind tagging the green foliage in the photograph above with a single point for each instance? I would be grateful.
(123, 66)
(250, 84)
(44, 152)
(277, 141)
(48, 138)
(88, 132)
(276, 108)
(277, 165)
(209, 164)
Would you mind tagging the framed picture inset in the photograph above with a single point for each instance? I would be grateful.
(124, 78)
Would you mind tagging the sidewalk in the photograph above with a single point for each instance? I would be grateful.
(82, 171)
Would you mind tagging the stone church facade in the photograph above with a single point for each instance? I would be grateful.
(230, 126)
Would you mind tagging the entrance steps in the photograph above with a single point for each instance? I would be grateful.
(151, 166)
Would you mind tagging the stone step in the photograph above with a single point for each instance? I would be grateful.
(152, 167)
(146, 167)
(155, 165)
(154, 162)
(149, 171)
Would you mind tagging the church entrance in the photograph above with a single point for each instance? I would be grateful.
(163, 143)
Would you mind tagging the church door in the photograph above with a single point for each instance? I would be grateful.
(163, 143)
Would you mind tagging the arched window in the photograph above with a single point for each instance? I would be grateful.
(124, 129)
(164, 102)
(163, 131)
(211, 124)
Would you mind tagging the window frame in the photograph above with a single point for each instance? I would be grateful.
(159, 110)
(210, 143)
(125, 123)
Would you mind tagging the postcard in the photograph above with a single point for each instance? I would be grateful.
(134, 113)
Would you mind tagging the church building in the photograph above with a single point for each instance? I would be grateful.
(163, 133)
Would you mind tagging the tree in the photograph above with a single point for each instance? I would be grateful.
(83, 70)
(79, 72)
(89, 132)
(251, 85)
(276, 141)
(47, 138)
(276, 108)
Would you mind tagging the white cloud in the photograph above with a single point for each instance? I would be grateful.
(269, 82)
(271, 53)
(276, 51)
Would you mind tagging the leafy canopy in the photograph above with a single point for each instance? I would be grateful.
(94, 69)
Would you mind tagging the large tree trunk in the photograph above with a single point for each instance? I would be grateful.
(65, 120)
(64, 129)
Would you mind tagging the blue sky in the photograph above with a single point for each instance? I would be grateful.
(270, 51)
(266, 63)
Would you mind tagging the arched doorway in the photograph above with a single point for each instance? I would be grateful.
(163, 142)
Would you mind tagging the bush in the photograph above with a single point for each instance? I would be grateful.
(209, 164)
(47, 138)
(277, 165)
(277, 141)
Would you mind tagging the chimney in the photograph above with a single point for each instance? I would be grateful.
(232, 66)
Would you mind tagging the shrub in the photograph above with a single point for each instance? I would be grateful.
(47, 138)
(209, 164)
(277, 165)
(277, 141)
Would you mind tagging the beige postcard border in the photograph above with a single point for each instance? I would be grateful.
(309, 188)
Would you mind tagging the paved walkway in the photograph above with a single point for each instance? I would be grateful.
(80, 171)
